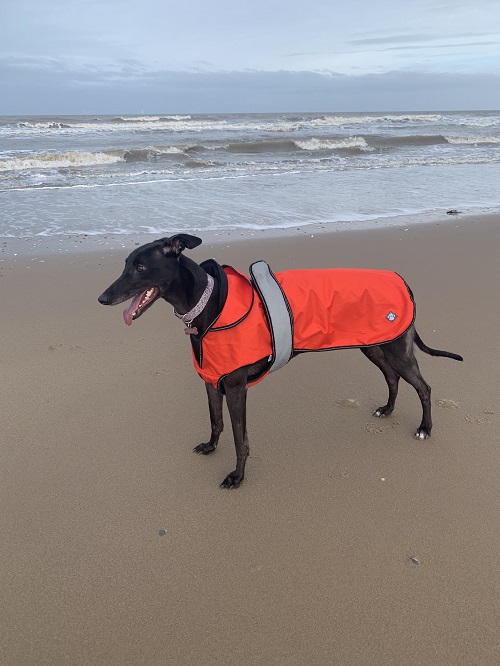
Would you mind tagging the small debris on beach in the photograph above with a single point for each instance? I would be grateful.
(414, 560)
(348, 402)
(448, 404)
(161, 532)
(378, 429)
(469, 418)
(453, 211)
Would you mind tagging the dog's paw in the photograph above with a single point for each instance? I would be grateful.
(205, 449)
(422, 433)
(232, 480)
(382, 412)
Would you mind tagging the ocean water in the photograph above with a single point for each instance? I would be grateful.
(141, 175)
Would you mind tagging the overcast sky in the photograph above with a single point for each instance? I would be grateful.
(195, 56)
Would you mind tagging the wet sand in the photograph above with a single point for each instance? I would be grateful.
(348, 543)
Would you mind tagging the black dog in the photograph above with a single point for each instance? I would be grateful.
(159, 269)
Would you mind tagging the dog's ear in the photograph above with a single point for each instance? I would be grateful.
(176, 244)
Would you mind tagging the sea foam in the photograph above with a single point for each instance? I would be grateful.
(57, 160)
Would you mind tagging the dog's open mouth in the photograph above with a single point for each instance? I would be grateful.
(140, 304)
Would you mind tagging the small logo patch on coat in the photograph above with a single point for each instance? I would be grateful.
(391, 316)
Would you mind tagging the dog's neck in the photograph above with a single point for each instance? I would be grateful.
(186, 291)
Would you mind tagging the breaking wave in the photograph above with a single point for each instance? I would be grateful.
(370, 119)
(148, 119)
(57, 160)
(333, 144)
(472, 139)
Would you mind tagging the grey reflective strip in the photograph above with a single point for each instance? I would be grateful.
(278, 315)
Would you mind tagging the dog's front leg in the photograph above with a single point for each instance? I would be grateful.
(215, 408)
(236, 397)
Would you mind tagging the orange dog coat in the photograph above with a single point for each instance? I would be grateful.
(327, 308)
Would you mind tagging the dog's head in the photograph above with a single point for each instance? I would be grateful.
(148, 272)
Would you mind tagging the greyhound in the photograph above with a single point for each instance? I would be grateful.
(160, 270)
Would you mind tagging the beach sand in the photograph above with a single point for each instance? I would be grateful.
(349, 541)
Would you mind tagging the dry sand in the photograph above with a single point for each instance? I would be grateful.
(349, 542)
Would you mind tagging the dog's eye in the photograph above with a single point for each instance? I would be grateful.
(140, 268)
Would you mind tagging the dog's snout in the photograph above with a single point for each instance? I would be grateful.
(104, 299)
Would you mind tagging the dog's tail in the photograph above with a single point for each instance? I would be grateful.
(434, 352)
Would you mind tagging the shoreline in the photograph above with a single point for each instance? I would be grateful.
(75, 244)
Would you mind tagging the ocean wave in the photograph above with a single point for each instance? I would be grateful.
(201, 164)
(150, 154)
(369, 119)
(135, 119)
(57, 160)
(472, 139)
(280, 126)
(102, 126)
(289, 145)
(147, 119)
(414, 118)
(333, 144)
(173, 124)
(198, 172)
(43, 125)
(291, 124)
(187, 123)
(401, 141)
(437, 160)
(491, 122)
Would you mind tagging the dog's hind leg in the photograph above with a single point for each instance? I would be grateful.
(215, 400)
(400, 356)
(376, 356)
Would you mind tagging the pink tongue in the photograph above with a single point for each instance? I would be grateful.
(127, 314)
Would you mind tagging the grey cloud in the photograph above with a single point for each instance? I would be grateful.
(392, 40)
(32, 65)
(406, 47)
(441, 46)
(128, 90)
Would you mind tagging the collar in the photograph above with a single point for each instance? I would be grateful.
(199, 307)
